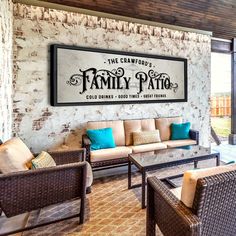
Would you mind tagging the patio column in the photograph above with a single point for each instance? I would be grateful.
(232, 136)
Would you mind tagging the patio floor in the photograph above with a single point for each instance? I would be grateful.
(227, 151)
(111, 209)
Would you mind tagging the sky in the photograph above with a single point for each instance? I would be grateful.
(220, 73)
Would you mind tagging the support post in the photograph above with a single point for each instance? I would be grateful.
(232, 136)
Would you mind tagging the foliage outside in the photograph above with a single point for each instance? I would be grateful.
(221, 125)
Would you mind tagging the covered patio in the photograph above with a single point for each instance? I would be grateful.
(105, 118)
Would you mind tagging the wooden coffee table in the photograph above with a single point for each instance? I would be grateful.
(158, 159)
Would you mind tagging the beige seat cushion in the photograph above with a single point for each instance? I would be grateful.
(137, 126)
(110, 153)
(117, 129)
(163, 125)
(191, 177)
(177, 192)
(179, 143)
(148, 147)
(89, 179)
(14, 155)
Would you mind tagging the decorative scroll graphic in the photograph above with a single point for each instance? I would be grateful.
(101, 79)
(92, 76)
(77, 79)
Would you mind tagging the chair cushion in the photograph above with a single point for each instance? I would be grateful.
(163, 125)
(177, 192)
(180, 143)
(101, 138)
(137, 126)
(117, 128)
(14, 155)
(148, 147)
(110, 153)
(43, 160)
(89, 179)
(180, 131)
(190, 180)
(146, 137)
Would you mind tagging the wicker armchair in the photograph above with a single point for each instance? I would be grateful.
(29, 190)
(213, 211)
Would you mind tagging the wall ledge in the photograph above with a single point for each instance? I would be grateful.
(73, 18)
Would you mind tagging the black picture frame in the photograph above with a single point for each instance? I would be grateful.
(53, 76)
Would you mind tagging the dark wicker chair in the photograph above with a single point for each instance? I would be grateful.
(119, 161)
(25, 191)
(213, 212)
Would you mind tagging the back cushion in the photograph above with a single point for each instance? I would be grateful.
(117, 128)
(163, 125)
(191, 177)
(14, 155)
(135, 126)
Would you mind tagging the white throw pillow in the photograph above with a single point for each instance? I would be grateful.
(191, 177)
(43, 160)
(146, 137)
(14, 155)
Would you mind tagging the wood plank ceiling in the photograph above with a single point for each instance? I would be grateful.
(218, 16)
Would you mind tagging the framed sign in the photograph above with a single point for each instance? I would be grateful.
(86, 76)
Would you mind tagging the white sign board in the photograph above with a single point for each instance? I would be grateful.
(86, 76)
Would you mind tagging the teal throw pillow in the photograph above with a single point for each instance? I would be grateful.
(180, 131)
(101, 138)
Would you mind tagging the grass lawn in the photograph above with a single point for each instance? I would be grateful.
(222, 126)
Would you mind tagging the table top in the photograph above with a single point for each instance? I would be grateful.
(171, 155)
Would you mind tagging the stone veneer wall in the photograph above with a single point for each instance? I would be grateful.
(43, 126)
(6, 34)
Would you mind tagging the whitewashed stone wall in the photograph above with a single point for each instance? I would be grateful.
(6, 34)
(45, 127)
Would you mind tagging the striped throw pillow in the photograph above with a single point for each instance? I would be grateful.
(43, 160)
(145, 137)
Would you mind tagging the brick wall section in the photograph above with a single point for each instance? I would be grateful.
(6, 34)
(46, 127)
